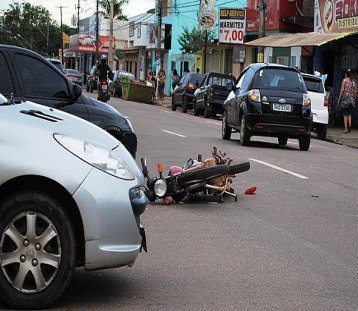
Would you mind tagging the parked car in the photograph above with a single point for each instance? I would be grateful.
(269, 100)
(319, 104)
(91, 82)
(74, 75)
(28, 76)
(183, 94)
(70, 196)
(56, 62)
(210, 97)
(117, 85)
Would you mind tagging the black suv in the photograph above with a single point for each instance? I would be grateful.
(183, 94)
(26, 75)
(269, 100)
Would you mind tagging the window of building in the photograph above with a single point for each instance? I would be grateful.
(139, 30)
(131, 29)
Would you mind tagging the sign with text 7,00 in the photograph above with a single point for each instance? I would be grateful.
(232, 25)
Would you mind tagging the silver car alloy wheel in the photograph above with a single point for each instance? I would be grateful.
(30, 252)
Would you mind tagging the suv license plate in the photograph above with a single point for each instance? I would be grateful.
(282, 107)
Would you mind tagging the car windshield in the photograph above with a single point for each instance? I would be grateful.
(223, 81)
(279, 78)
(72, 72)
(313, 85)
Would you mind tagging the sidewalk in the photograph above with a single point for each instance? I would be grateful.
(334, 133)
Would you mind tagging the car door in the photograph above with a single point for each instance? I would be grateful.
(201, 93)
(180, 89)
(42, 83)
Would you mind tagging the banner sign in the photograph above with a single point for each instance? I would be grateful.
(206, 15)
(336, 15)
(232, 25)
(87, 43)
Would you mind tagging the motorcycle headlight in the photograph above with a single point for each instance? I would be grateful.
(160, 187)
(96, 156)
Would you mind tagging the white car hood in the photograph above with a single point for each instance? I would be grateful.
(56, 121)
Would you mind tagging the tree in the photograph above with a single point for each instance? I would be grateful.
(193, 41)
(117, 9)
(31, 27)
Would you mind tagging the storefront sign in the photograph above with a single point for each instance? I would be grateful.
(87, 43)
(206, 15)
(232, 25)
(336, 15)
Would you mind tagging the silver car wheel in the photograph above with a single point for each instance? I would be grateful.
(31, 252)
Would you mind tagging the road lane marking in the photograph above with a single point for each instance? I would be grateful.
(212, 122)
(172, 133)
(279, 168)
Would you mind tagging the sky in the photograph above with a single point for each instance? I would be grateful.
(87, 8)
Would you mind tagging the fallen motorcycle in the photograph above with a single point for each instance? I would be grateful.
(211, 176)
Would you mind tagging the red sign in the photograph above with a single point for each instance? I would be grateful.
(87, 43)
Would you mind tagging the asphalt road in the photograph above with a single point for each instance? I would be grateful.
(291, 246)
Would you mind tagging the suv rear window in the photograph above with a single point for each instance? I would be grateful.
(313, 85)
(197, 78)
(279, 78)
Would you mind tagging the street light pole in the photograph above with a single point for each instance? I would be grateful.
(61, 34)
(110, 48)
(159, 35)
(262, 14)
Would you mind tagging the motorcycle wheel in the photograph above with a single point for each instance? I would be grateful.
(238, 168)
(202, 174)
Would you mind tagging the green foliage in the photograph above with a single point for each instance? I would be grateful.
(117, 9)
(31, 27)
(192, 41)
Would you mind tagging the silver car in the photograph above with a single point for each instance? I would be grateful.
(70, 195)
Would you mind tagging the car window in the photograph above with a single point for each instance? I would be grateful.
(279, 78)
(247, 79)
(39, 79)
(313, 85)
(6, 85)
(184, 79)
(195, 78)
(72, 72)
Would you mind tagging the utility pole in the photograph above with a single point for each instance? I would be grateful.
(159, 35)
(205, 48)
(97, 25)
(78, 31)
(262, 14)
(61, 34)
(110, 48)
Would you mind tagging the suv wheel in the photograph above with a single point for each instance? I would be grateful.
(282, 141)
(184, 105)
(225, 129)
(196, 110)
(38, 251)
(322, 132)
(304, 142)
(244, 133)
(173, 106)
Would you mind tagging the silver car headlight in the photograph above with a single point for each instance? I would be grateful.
(160, 187)
(95, 155)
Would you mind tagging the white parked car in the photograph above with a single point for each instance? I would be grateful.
(70, 196)
(319, 104)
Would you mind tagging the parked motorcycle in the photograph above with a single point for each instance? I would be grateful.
(103, 93)
(211, 176)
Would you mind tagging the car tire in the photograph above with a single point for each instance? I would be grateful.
(282, 141)
(207, 112)
(226, 129)
(304, 142)
(322, 132)
(244, 133)
(35, 226)
(173, 106)
(184, 106)
(87, 88)
(196, 110)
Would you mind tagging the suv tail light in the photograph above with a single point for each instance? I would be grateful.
(325, 101)
(190, 87)
(254, 95)
(306, 100)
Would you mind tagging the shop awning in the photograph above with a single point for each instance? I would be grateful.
(298, 39)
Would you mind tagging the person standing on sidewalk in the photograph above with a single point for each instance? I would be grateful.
(348, 87)
(161, 84)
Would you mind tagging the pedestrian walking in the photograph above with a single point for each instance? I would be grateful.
(161, 84)
(175, 78)
(347, 99)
